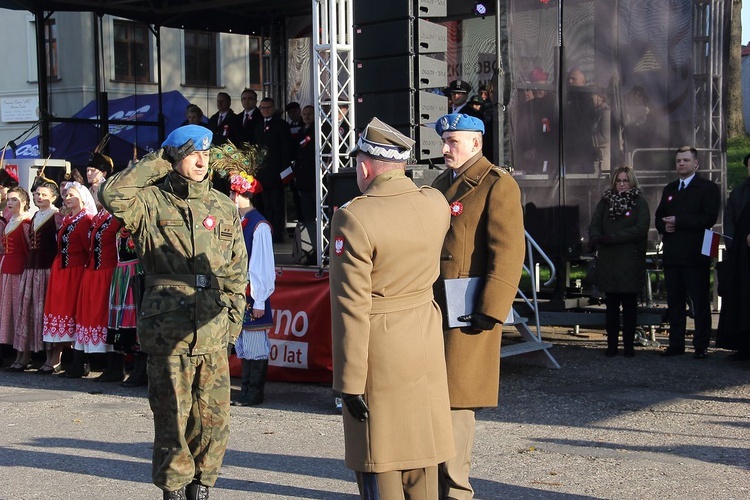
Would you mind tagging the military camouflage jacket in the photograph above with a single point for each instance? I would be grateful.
(189, 241)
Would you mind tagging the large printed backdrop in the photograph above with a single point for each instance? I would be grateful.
(301, 336)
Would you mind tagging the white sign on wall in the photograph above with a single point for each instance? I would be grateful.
(20, 109)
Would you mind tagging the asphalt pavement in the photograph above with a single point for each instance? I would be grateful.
(640, 428)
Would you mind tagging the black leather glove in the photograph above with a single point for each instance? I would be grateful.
(594, 243)
(174, 154)
(479, 322)
(356, 405)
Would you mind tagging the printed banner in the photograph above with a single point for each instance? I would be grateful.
(301, 336)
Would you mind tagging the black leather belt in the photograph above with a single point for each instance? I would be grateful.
(195, 280)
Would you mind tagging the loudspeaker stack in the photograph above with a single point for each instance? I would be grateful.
(396, 50)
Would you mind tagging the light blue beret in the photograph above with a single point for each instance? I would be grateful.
(201, 137)
(458, 122)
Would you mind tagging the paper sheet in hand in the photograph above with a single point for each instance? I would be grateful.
(460, 296)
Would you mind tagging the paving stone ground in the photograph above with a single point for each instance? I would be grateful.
(647, 427)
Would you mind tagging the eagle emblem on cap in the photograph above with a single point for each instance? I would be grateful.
(205, 142)
(444, 123)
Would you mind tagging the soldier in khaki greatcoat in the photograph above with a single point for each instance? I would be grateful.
(189, 241)
(485, 239)
(388, 359)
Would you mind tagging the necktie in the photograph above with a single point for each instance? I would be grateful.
(247, 120)
(221, 119)
(682, 185)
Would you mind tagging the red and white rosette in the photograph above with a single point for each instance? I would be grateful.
(209, 223)
(456, 208)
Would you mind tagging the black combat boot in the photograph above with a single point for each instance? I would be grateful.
(114, 371)
(245, 384)
(175, 495)
(256, 382)
(628, 341)
(196, 491)
(138, 376)
(79, 367)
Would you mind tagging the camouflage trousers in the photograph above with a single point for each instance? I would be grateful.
(189, 396)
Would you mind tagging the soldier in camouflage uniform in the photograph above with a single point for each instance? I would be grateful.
(189, 241)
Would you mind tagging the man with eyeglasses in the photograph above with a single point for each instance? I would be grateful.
(274, 135)
(247, 121)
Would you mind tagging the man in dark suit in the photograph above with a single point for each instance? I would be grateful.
(248, 121)
(688, 207)
(222, 122)
(273, 134)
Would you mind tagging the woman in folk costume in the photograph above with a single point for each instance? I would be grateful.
(252, 346)
(123, 299)
(67, 271)
(123, 296)
(92, 309)
(35, 277)
(15, 239)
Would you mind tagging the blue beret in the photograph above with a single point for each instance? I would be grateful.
(458, 122)
(200, 135)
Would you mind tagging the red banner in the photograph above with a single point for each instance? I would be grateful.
(301, 336)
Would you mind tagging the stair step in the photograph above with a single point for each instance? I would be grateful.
(523, 347)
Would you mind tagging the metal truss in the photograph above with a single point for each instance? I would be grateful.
(333, 36)
(273, 47)
(708, 82)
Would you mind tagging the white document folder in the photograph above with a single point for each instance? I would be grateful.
(460, 298)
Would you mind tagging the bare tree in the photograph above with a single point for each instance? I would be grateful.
(735, 121)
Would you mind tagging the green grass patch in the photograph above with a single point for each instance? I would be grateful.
(737, 148)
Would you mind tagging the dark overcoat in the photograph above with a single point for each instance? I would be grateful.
(621, 262)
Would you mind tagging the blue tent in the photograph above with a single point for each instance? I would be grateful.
(75, 141)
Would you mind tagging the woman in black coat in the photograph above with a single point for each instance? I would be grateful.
(619, 231)
(733, 332)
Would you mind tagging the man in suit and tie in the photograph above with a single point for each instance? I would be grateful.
(222, 122)
(273, 134)
(248, 121)
(688, 206)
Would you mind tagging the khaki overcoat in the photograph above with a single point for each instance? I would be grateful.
(387, 334)
(485, 239)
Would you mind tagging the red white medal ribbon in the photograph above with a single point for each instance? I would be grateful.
(456, 208)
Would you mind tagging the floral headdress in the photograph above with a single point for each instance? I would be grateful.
(239, 165)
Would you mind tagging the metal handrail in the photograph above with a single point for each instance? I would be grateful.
(532, 245)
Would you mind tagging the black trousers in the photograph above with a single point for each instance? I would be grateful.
(685, 282)
(629, 303)
(271, 203)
